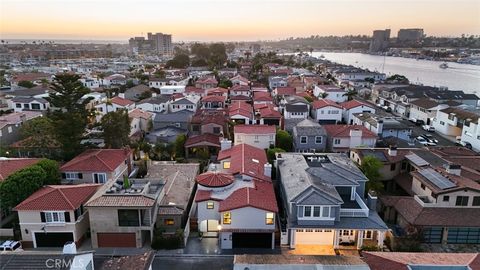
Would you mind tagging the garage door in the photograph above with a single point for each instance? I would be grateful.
(52, 239)
(252, 240)
(463, 236)
(314, 237)
(116, 240)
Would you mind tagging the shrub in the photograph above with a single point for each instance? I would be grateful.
(161, 241)
(370, 248)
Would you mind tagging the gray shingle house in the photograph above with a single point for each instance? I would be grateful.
(309, 136)
(178, 119)
(324, 202)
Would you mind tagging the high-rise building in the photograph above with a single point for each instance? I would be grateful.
(380, 40)
(412, 35)
(157, 43)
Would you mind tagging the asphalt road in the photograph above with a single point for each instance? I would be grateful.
(193, 263)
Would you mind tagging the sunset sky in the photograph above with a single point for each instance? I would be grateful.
(211, 20)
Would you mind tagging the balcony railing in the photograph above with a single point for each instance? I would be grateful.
(424, 201)
(358, 212)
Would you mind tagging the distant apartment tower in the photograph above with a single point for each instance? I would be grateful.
(380, 40)
(411, 35)
(162, 43)
(158, 43)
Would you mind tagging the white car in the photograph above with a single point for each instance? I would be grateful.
(421, 140)
(10, 245)
(428, 128)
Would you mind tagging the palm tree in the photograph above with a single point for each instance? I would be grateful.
(350, 94)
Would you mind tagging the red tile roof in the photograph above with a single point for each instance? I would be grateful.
(208, 80)
(137, 113)
(99, 160)
(214, 179)
(401, 260)
(322, 103)
(241, 108)
(35, 76)
(262, 96)
(286, 91)
(344, 131)
(262, 196)
(122, 200)
(219, 91)
(193, 89)
(239, 98)
(246, 159)
(214, 98)
(121, 101)
(353, 103)
(267, 111)
(254, 129)
(204, 195)
(240, 88)
(203, 139)
(58, 197)
(11, 165)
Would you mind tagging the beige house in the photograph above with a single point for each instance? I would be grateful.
(123, 214)
(98, 166)
(55, 215)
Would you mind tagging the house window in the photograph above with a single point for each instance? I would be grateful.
(326, 212)
(442, 123)
(18, 105)
(73, 176)
(422, 186)
(169, 221)
(269, 218)
(99, 178)
(226, 165)
(303, 139)
(462, 201)
(336, 141)
(128, 218)
(307, 211)
(476, 201)
(35, 106)
(392, 167)
(55, 217)
(368, 235)
(227, 218)
(318, 139)
(446, 198)
(210, 205)
(216, 130)
(316, 211)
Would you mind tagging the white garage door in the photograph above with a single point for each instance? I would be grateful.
(314, 237)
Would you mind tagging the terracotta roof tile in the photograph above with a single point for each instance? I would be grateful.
(344, 130)
(246, 159)
(401, 260)
(102, 160)
(11, 165)
(254, 129)
(121, 101)
(121, 200)
(322, 103)
(58, 197)
(214, 179)
(262, 196)
(353, 103)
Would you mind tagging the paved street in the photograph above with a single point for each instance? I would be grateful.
(193, 263)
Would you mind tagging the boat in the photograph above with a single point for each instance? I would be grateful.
(443, 65)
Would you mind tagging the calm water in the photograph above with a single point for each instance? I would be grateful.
(456, 77)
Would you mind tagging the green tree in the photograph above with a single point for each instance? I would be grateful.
(129, 84)
(69, 116)
(145, 95)
(51, 168)
(19, 185)
(350, 94)
(271, 153)
(39, 133)
(225, 83)
(284, 140)
(26, 84)
(371, 168)
(308, 98)
(159, 74)
(180, 146)
(116, 129)
(218, 54)
(179, 61)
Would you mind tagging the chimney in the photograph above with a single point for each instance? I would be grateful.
(225, 144)
(380, 126)
(392, 151)
(454, 169)
(122, 95)
(267, 170)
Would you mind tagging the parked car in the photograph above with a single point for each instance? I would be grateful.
(429, 137)
(428, 128)
(423, 141)
(464, 144)
(10, 245)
